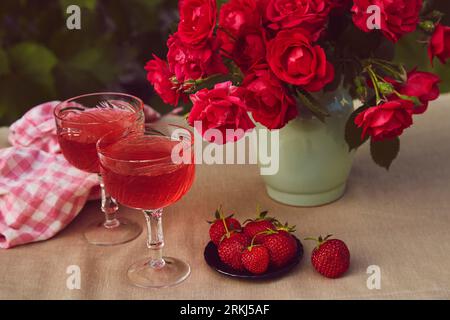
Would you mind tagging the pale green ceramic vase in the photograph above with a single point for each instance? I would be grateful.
(315, 161)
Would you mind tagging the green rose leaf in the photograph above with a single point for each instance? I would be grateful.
(210, 82)
(385, 152)
(308, 101)
(221, 2)
(353, 134)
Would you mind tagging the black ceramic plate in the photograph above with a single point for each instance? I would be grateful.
(213, 260)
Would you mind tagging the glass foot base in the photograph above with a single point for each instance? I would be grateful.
(98, 235)
(174, 272)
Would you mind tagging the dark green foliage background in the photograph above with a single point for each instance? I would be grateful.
(41, 60)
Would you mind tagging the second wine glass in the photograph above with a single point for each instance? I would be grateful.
(149, 171)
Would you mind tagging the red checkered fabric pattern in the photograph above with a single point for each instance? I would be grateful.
(40, 192)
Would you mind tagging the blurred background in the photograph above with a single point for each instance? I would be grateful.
(41, 60)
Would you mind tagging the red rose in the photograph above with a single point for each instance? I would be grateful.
(235, 17)
(268, 100)
(337, 4)
(220, 108)
(238, 14)
(311, 15)
(440, 44)
(339, 7)
(295, 60)
(197, 21)
(158, 74)
(189, 63)
(397, 18)
(386, 121)
(249, 50)
(423, 85)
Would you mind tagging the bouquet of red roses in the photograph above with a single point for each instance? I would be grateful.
(270, 58)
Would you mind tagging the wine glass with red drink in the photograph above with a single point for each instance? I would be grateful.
(81, 122)
(149, 171)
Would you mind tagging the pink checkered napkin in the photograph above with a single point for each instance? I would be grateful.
(36, 129)
(40, 192)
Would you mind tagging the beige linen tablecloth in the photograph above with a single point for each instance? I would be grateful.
(397, 220)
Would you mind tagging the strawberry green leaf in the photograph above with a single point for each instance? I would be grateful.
(217, 215)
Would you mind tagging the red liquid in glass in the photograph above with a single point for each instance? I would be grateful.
(138, 172)
(78, 133)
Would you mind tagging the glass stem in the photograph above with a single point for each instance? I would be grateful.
(109, 207)
(155, 240)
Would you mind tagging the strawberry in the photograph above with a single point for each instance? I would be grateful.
(231, 248)
(222, 226)
(239, 237)
(282, 246)
(258, 226)
(331, 257)
(256, 259)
